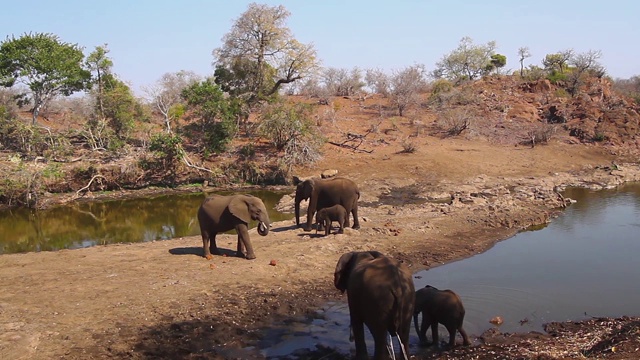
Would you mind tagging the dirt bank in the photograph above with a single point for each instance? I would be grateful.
(160, 300)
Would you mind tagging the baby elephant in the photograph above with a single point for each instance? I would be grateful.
(328, 215)
(439, 306)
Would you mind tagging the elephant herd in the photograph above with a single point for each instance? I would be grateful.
(380, 289)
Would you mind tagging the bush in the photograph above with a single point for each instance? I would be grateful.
(453, 122)
(441, 86)
(408, 147)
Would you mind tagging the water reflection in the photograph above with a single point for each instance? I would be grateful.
(86, 224)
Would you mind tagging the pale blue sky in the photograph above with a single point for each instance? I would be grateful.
(148, 38)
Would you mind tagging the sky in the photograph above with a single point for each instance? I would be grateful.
(148, 38)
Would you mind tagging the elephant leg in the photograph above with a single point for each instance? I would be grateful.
(240, 246)
(434, 333)
(356, 222)
(327, 227)
(465, 338)
(209, 245)
(381, 349)
(341, 231)
(452, 335)
(422, 334)
(243, 238)
(310, 213)
(358, 335)
(205, 245)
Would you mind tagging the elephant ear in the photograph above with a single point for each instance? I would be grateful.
(343, 270)
(239, 208)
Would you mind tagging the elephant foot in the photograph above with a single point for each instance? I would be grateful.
(306, 228)
(356, 227)
(245, 256)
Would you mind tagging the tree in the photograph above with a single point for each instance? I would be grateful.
(290, 128)
(165, 95)
(121, 108)
(467, 62)
(497, 62)
(217, 113)
(97, 62)
(523, 53)
(402, 87)
(557, 62)
(260, 54)
(46, 65)
(342, 82)
(584, 65)
(405, 86)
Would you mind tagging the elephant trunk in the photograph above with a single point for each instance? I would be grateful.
(297, 211)
(263, 228)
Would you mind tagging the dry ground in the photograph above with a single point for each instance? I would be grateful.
(162, 300)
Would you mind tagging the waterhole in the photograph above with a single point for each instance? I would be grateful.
(87, 224)
(583, 264)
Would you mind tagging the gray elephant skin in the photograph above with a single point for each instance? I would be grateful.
(219, 213)
(381, 295)
(327, 216)
(323, 193)
(439, 306)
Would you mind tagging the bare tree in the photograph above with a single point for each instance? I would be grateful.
(402, 87)
(342, 82)
(584, 65)
(165, 93)
(378, 81)
(268, 53)
(523, 53)
(406, 85)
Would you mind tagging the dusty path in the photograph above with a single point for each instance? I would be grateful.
(163, 300)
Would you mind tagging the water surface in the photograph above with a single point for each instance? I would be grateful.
(85, 224)
(582, 264)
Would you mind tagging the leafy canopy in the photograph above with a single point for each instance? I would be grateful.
(467, 62)
(45, 65)
(217, 113)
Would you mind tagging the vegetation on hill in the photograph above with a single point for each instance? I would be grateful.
(270, 108)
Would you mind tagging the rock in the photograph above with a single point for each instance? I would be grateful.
(273, 262)
(496, 321)
(329, 173)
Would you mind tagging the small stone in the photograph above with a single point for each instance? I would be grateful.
(273, 262)
(496, 320)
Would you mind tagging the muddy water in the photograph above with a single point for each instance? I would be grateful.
(107, 222)
(585, 263)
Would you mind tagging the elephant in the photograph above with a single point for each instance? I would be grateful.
(328, 215)
(380, 293)
(439, 306)
(323, 193)
(219, 213)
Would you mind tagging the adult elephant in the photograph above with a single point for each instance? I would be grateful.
(323, 193)
(381, 295)
(219, 213)
(439, 306)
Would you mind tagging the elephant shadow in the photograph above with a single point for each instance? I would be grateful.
(284, 228)
(197, 250)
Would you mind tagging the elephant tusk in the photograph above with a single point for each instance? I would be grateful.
(263, 229)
